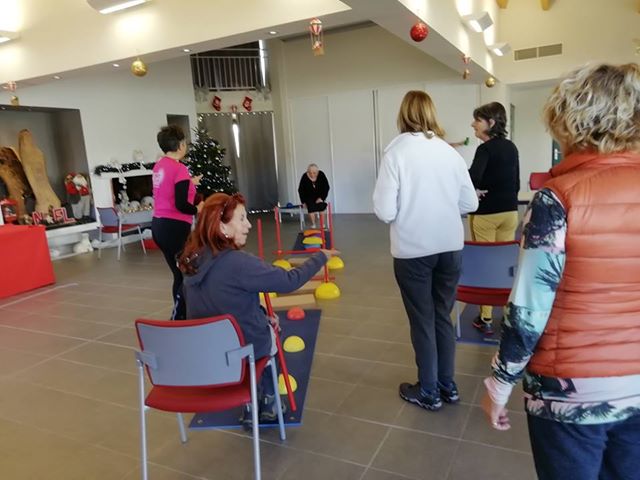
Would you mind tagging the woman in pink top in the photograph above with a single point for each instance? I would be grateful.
(174, 193)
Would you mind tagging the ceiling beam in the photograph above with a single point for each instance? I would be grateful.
(545, 4)
(503, 3)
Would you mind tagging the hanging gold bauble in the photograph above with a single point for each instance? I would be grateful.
(15, 101)
(466, 74)
(490, 81)
(139, 68)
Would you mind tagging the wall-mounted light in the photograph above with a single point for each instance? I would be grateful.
(500, 49)
(109, 6)
(478, 22)
(8, 36)
(273, 32)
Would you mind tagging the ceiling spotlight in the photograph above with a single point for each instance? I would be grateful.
(478, 22)
(186, 50)
(116, 65)
(273, 32)
(500, 49)
(57, 77)
(109, 6)
(7, 36)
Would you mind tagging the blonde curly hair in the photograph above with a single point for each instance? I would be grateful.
(597, 107)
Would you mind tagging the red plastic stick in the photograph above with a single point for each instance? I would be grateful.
(260, 244)
(333, 246)
(283, 363)
(324, 245)
(278, 239)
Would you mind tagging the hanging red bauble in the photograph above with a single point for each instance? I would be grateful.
(419, 32)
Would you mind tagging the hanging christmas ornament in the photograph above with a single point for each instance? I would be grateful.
(490, 81)
(466, 59)
(216, 103)
(419, 32)
(317, 40)
(15, 101)
(466, 74)
(246, 103)
(139, 68)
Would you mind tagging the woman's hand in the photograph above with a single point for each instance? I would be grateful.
(196, 180)
(481, 193)
(497, 415)
(275, 322)
(199, 206)
(319, 200)
(330, 253)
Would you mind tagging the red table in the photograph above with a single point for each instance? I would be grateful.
(25, 263)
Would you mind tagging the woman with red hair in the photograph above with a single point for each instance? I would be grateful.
(221, 279)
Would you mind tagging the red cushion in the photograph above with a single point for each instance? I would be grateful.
(204, 399)
(125, 227)
(483, 296)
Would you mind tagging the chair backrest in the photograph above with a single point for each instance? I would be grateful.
(108, 216)
(192, 352)
(538, 179)
(489, 265)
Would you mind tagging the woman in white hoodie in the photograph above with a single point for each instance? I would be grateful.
(422, 190)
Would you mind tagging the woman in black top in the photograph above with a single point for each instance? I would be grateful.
(495, 173)
(313, 191)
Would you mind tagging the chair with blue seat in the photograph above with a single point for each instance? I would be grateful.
(488, 272)
(111, 222)
(198, 366)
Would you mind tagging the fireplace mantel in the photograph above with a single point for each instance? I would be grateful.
(102, 191)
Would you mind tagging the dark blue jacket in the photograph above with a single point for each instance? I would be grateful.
(229, 283)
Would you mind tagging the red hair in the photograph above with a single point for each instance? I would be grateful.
(218, 208)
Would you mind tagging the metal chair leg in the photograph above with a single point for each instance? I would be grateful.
(254, 418)
(183, 432)
(274, 374)
(143, 423)
(458, 328)
(142, 240)
(100, 240)
(119, 239)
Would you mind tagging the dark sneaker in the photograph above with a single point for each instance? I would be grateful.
(449, 393)
(484, 325)
(415, 394)
(246, 418)
(268, 409)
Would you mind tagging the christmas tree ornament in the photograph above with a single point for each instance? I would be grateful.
(15, 100)
(139, 68)
(246, 103)
(216, 103)
(317, 37)
(466, 59)
(490, 81)
(466, 74)
(419, 32)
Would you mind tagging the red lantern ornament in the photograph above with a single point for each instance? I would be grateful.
(317, 41)
(419, 32)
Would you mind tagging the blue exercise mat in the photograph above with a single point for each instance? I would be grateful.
(299, 365)
(470, 334)
(298, 245)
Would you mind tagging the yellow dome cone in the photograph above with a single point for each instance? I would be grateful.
(293, 344)
(271, 295)
(335, 263)
(282, 388)
(327, 291)
(282, 263)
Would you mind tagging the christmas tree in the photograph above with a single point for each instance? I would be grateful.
(205, 158)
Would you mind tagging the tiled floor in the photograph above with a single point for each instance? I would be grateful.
(68, 385)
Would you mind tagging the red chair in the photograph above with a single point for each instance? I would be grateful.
(538, 179)
(488, 271)
(111, 222)
(199, 366)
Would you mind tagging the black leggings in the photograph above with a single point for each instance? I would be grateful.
(171, 235)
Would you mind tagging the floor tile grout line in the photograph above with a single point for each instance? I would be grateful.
(54, 334)
(462, 430)
(375, 454)
(28, 297)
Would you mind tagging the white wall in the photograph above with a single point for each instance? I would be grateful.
(121, 113)
(530, 135)
(357, 60)
(590, 30)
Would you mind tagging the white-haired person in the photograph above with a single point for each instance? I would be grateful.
(572, 324)
(314, 190)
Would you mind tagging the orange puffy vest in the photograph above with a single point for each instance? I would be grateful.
(594, 326)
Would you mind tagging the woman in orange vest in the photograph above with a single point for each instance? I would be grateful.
(572, 325)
